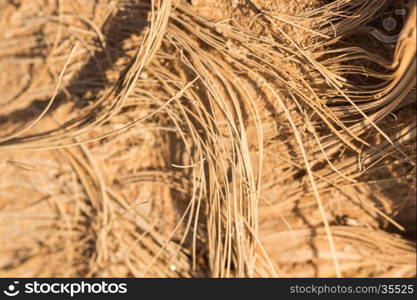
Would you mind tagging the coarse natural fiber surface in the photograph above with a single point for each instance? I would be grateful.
(207, 138)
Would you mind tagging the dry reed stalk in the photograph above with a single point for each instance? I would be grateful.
(361, 252)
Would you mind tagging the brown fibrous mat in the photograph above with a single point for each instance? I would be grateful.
(207, 138)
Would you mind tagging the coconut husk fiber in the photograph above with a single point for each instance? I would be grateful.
(209, 138)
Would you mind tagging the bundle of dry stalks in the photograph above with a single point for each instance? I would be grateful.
(238, 138)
